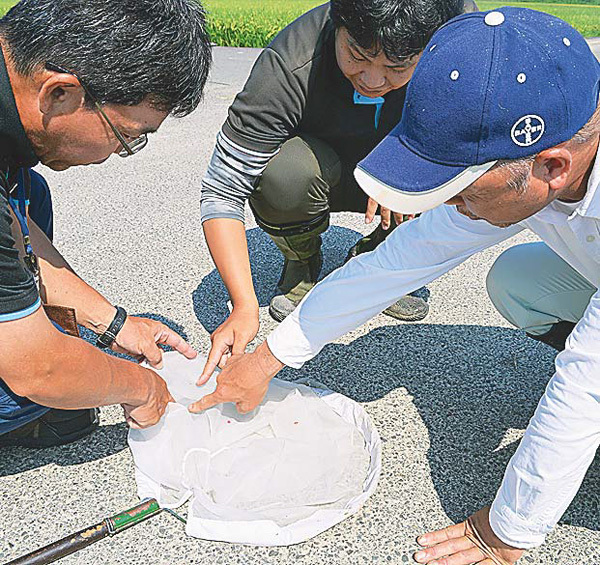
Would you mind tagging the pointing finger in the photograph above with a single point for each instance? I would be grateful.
(218, 349)
(206, 402)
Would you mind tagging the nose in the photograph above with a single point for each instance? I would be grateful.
(372, 79)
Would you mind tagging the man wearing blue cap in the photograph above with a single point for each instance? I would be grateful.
(501, 125)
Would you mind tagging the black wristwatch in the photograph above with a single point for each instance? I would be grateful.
(108, 337)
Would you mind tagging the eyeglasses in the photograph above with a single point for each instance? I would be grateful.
(129, 147)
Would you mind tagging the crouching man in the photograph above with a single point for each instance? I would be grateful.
(500, 132)
(80, 81)
(322, 95)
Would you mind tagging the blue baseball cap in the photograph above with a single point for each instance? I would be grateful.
(503, 84)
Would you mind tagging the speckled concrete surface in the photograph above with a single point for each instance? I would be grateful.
(450, 396)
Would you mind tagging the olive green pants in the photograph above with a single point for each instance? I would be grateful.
(301, 185)
(533, 288)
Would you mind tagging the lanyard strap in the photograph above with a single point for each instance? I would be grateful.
(19, 206)
(377, 102)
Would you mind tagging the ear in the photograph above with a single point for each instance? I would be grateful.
(553, 167)
(60, 93)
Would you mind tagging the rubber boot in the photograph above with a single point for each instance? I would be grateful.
(303, 262)
(557, 336)
(410, 308)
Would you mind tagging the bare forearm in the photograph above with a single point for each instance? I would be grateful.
(60, 286)
(226, 240)
(69, 373)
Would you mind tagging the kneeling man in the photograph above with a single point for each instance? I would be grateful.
(500, 132)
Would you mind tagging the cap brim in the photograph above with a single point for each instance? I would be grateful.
(398, 179)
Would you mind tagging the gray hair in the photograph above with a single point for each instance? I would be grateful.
(127, 51)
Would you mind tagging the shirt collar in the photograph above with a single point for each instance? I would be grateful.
(16, 150)
(590, 205)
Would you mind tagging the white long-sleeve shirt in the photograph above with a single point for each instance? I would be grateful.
(564, 433)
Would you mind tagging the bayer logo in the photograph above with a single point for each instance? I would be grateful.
(528, 130)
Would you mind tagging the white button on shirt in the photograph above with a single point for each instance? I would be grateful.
(563, 435)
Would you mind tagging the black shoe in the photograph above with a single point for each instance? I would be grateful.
(369, 242)
(413, 307)
(557, 336)
(55, 427)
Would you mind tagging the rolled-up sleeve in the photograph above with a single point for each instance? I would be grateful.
(559, 444)
(230, 179)
(416, 253)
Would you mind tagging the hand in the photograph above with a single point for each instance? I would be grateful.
(140, 337)
(472, 541)
(386, 215)
(244, 380)
(151, 409)
(230, 338)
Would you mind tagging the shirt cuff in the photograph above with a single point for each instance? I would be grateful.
(513, 529)
(289, 344)
(209, 210)
(12, 316)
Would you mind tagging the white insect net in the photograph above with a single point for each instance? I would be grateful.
(293, 458)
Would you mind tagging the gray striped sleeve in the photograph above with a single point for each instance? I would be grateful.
(230, 179)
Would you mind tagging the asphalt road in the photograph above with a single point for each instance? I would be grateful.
(450, 396)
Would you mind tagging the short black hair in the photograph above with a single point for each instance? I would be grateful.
(126, 51)
(400, 28)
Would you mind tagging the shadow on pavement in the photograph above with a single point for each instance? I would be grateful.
(104, 442)
(471, 385)
(210, 298)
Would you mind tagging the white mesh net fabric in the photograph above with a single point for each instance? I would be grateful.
(301, 462)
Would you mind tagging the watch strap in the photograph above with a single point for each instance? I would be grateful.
(108, 337)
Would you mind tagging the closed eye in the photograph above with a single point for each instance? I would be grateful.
(357, 59)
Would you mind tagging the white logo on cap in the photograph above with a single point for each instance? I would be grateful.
(528, 130)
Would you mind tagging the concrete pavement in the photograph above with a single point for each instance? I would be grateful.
(450, 396)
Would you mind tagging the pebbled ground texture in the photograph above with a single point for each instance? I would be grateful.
(450, 395)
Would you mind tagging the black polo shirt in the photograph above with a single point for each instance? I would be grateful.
(18, 291)
(296, 87)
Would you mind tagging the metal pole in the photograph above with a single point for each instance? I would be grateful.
(74, 542)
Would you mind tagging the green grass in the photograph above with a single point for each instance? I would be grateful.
(5, 5)
(584, 18)
(254, 23)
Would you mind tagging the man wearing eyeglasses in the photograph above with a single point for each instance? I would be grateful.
(79, 82)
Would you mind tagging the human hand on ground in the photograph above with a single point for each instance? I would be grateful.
(244, 381)
(230, 338)
(386, 215)
(151, 408)
(140, 337)
(470, 542)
